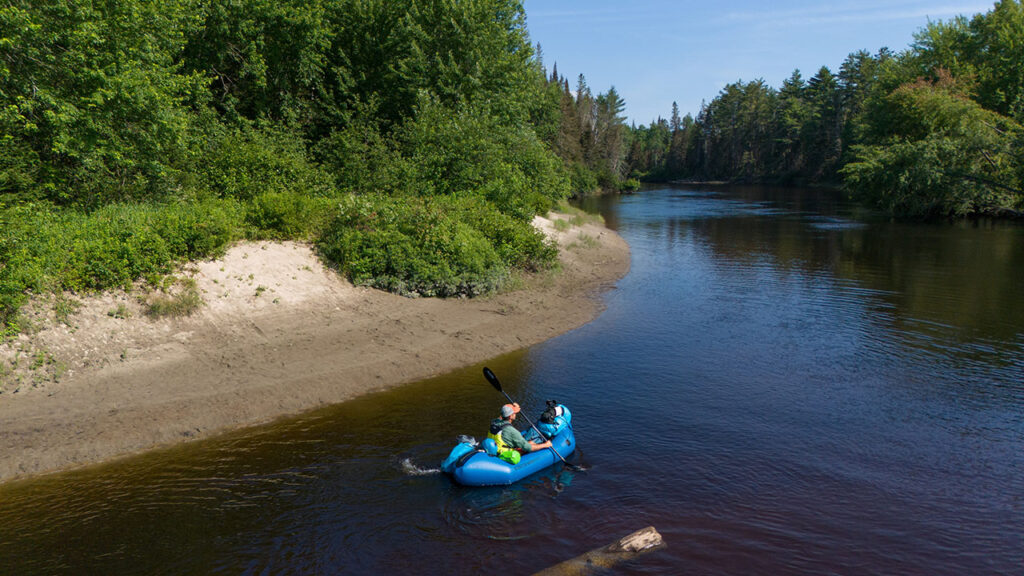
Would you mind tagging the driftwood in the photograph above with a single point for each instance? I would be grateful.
(622, 549)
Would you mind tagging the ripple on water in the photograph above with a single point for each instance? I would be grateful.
(514, 512)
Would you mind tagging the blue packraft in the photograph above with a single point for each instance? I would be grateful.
(470, 464)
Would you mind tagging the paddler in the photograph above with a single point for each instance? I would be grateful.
(505, 435)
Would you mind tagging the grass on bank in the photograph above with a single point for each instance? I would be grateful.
(174, 302)
(431, 246)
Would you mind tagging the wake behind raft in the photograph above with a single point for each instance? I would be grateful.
(473, 464)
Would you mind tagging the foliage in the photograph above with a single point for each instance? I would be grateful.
(135, 135)
(432, 246)
(268, 170)
(93, 105)
(45, 250)
(243, 163)
(517, 243)
(943, 155)
(587, 132)
(931, 131)
(363, 159)
(467, 152)
(267, 59)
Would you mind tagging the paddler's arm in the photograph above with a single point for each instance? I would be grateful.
(542, 445)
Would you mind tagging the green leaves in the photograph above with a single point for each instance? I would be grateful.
(939, 135)
(92, 95)
(46, 250)
(430, 246)
(467, 151)
(244, 162)
(137, 134)
(942, 154)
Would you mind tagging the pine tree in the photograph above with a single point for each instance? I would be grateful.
(675, 123)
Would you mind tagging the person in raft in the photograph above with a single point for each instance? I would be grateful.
(505, 435)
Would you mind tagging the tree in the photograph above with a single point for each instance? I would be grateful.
(609, 126)
(823, 134)
(997, 46)
(677, 150)
(94, 106)
(793, 113)
(675, 122)
(944, 155)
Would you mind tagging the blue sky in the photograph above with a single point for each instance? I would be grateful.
(658, 51)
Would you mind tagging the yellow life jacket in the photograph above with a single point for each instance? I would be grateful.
(505, 452)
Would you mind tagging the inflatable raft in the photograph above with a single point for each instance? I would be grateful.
(472, 464)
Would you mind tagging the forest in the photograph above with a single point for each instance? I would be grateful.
(932, 131)
(413, 142)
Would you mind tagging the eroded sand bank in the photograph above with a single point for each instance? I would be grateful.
(278, 334)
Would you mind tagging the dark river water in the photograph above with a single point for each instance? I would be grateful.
(780, 385)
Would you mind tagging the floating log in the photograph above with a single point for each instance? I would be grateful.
(623, 549)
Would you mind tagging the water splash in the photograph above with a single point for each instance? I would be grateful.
(413, 470)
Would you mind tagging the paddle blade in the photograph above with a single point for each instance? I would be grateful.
(492, 379)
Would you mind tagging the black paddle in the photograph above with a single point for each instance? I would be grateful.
(497, 386)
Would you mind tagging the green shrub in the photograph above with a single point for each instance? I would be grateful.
(582, 180)
(412, 246)
(245, 162)
(43, 248)
(363, 161)
(518, 243)
(466, 151)
(197, 230)
(286, 215)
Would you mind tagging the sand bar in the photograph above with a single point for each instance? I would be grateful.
(279, 334)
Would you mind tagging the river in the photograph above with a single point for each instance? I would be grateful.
(782, 384)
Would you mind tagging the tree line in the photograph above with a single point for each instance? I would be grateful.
(588, 132)
(411, 142)
(934, 130)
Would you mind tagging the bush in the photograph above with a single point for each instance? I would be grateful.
(286, 215)
(518, 243)
(430, 246)
(363, 161)
(466, 151)
(582, 180)
(630, 185)
(46, 249)
(245, 162)
(196, 230)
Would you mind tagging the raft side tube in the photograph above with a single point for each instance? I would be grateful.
(483, 470)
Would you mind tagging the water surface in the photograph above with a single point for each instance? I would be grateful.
(781, 385)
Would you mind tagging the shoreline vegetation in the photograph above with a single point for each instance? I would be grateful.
(277, 334)
(410, 144)
(932, 131)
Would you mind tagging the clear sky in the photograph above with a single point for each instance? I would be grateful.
(658, 51)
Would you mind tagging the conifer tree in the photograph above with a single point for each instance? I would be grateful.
(675, 122)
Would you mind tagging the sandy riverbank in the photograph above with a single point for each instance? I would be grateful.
(278, 334)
